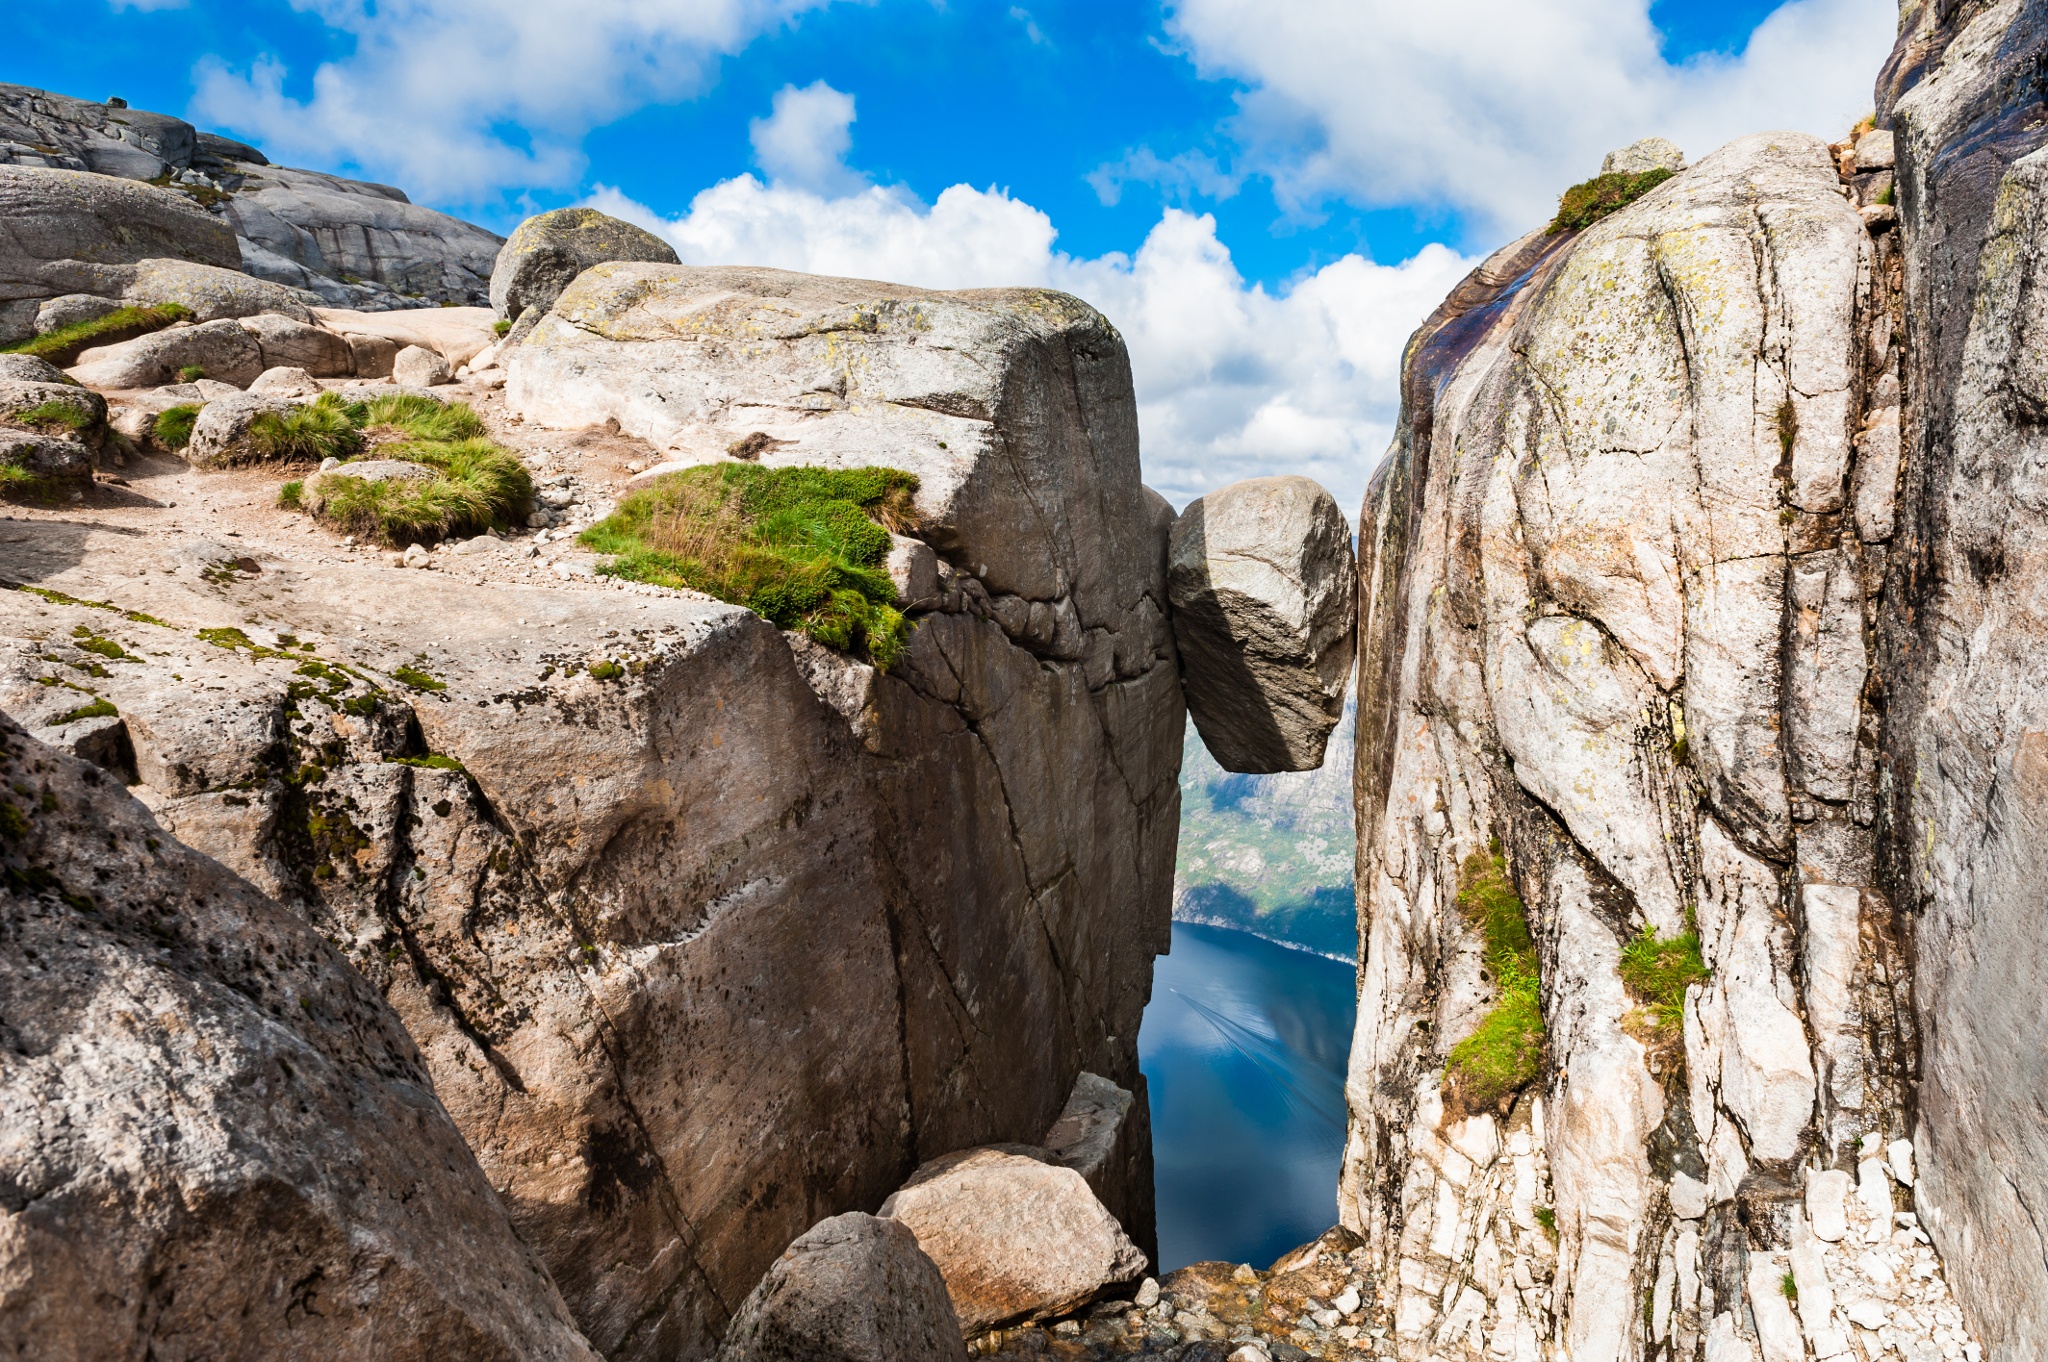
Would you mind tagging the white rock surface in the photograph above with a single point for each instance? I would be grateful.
(418, 367)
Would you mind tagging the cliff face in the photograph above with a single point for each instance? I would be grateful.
(1964, 779)
(1621, 574)
(705, 933)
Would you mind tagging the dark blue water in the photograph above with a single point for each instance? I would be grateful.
(1243, 1048)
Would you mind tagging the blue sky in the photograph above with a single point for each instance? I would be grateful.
(1265, 195)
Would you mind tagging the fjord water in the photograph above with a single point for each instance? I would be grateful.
(1243, 1049)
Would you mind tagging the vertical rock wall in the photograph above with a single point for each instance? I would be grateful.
(1620, 578)
(1965, 775)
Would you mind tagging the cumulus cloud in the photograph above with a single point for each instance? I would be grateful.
(804, 140)
(458, 103)
(1233, 380)
(1179, 179)
(1493, 106)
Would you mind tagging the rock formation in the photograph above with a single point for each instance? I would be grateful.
(1260, 576)
(549, 250)
(854, 1288)
(219, 1140)
(705, 932)
(1620, 579)
(349, 243)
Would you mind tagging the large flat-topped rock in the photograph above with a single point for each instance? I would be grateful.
(50, 216)
(1013, 406)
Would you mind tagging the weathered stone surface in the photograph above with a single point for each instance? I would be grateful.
(746, 915)
(289, 342)
(220, 434)
(455, 333)
(1015, 1236)
(1651, 153)
(53, 218)
(1104, 1134)
(1874, 150)
(62, 409)
(1615, 621)
(1262, 582)
(284, 381)
(219, 1138)
(45, 456)
(70, 309)
(1966, 743)
(29, 369)
(853, 1288)
(547, 252)
(224, 349)
(418, 367)
(208, 291)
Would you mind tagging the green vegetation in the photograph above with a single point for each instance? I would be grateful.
(1658, 972)
(96, 710)
(17, 482)
(63, 346)
(1546, 1216)
(192, 373)
(1788, 426)
(606, 670)
(1585, 204)
(501, 326)
(480, 485)
(433, 761)
(90, 642)
(173, 428)
(1788, 1287)
(54, 416)
(417, 679)
(1505, 1054)
(319, 430)
(803, 547)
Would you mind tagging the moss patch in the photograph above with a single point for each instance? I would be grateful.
(98, 709)
(803, 547)
(55, 416)
(1506, 1053)
(417, 679)
(1585, 204)
(63, 346)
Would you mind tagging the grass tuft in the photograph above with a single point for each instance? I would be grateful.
(320, 430)
(1788, 1287)
(1585, 204)
(50, 416)
(63, 346)
(192, 373)
(803, 547)
(480, 486)
(501, 326)
(1788, 427)
(1506, 1053)
(1659, 971)
(173, 428)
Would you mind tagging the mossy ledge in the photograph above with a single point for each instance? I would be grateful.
(63, 346)
(1586, 203)
(1505, 1054)
(803, 547)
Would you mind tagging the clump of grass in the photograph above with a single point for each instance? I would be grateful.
(433, 761)
(290, 496)
(19, 484)
(419, 680)
(1659, 971)
(480, 486)
(1788, 1287)
(421, 418)
(173, 428)
(51, 416)
(1546, 1216)
(802, 547)
(63, 346)
(98, 709)
(192, 373)
(606, 670)
(501, 326)
(1505, 1054)
(1585, 204)
(320, 430)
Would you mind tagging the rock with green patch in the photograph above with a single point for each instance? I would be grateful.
(1651, 153)
(54, 223)
(224, 350)
(221, 434)
(29, 369)
(64, 410)
(27, 460)
(547, 251)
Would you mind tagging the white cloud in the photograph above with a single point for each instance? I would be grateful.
(1233, 381)
(805, 139)
(457, 101)
(1494, 106)
(1178, 179)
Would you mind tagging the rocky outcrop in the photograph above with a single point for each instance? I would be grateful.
(547, 252)
(1962, 779)
(1620, 578)
(220, 1141)
(706, 933)
(346, 242)
(854, 1288)
(1260, 575)
(1016, 1236)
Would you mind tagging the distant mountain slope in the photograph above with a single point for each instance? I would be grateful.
(355, 244)
(1270, 854)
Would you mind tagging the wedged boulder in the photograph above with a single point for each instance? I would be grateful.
(219, 1140)
(1016, 1237)
(284, 381)
(224, 349)
(286, 342)
(371, 356)
(1104, 1133)
(854, 1288)
(455, 333)
(70, 309)
(1651, 153)
(1262, 581)
(220, 434)
(546, 252)
(52, 216)
(418, 367)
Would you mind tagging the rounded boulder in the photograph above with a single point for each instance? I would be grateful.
(854, 1288)
(546, 253)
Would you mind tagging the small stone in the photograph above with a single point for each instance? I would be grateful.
(1250, 1352)
(1244, 1274)
(1347, 1301)
(1148, 1294)
(1328, 1319)
(1825, 1195)
(414, 555)
(1688, 1197)
(1899, 1157)
(327, 464)
(419, 367)
(1867, 1313)
(1068, 1328)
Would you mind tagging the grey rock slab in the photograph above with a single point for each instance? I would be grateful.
(70, 309)
(1875, 150)
(547, 251)
(86, 409)
(45, 456)
(292, 342)
(1015, 1237)
(49, 217)
(455, 333)
(220, 434)
(1651, 153)
(223, 1140)
(853, 1288)
(224, 349)
(1262, 584)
